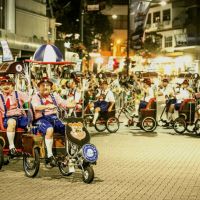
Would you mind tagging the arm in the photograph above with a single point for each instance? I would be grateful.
(64, 103)
(111, 100)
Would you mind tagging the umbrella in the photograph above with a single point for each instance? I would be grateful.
(48, 53)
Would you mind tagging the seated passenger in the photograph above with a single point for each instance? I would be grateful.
(11, 102)
(45, 105)
(185, 93)
(74, 94)
(147, 94)
(167, 91)
(105, 101)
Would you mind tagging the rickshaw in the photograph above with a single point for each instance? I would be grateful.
(186, 117)
(147, 116)
(17, 71)
(71, 150)
(106, 121)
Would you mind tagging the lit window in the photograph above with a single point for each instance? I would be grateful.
(168, 41)
(156, 17)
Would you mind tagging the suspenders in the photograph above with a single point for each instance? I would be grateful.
(42, 103)
(4, 104)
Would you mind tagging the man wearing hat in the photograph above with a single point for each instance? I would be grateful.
(11, 103)
(185, 93)
(105, 102)
(45, 105)
(167, 92)
(74, 94)
(147, 93)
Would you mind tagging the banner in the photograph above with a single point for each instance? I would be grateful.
(7, 55)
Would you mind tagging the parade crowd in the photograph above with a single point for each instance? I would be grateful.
(83, 94)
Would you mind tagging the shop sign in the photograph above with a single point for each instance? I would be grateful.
(7, 55)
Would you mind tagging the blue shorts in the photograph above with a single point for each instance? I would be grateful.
(21, 121)
(50, 121)
(177, 106)
(103, 105)
(143, 105)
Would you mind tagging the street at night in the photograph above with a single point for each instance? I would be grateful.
(99, 100)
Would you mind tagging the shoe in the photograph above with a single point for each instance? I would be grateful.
(166, 124)
(51, 161)
(134, 115)
(13, 152)
(92, 124)
(138, 124)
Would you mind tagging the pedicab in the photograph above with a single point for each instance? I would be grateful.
(72, 150)
(186, 117)
(17, 71)
(147, 116)
(106, 121)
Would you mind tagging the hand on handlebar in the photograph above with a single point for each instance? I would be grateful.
(71, 104)
(51, 106)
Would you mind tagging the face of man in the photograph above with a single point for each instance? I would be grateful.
(72, 85)
(45, 89)
(185, 85)
(165, 83)
(7, 87)
(104, 86)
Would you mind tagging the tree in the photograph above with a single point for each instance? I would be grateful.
(152, 43)
(95, 23)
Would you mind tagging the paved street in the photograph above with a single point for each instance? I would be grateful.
(132, 165)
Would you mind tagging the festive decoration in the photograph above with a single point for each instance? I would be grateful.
(48, 53)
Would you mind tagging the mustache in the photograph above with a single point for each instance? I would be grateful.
(5, 87)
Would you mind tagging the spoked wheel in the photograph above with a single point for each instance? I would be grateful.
(180, 125)
(64, 169)
(1, 156)
(88, 174)
(197, 126)
(31, 164)
(100, 124)
(112, 124)
(148, 124)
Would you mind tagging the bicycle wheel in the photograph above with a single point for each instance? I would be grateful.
(180, 125)
(197, 126)
(148, 124)
(100, 124)
(112, 124)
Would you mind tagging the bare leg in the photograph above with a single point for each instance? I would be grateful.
(11, 132)
(96, 114)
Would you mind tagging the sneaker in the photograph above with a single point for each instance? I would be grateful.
(51, 161)
(166, 124)
(13, 152)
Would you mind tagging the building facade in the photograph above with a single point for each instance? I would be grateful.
(25, 25)
(178, 29)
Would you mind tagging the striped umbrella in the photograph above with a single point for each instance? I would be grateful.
(48, 53)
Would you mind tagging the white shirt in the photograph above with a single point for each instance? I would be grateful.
(166, 91)
(184, 94)
(109, 96)
(149, 95)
